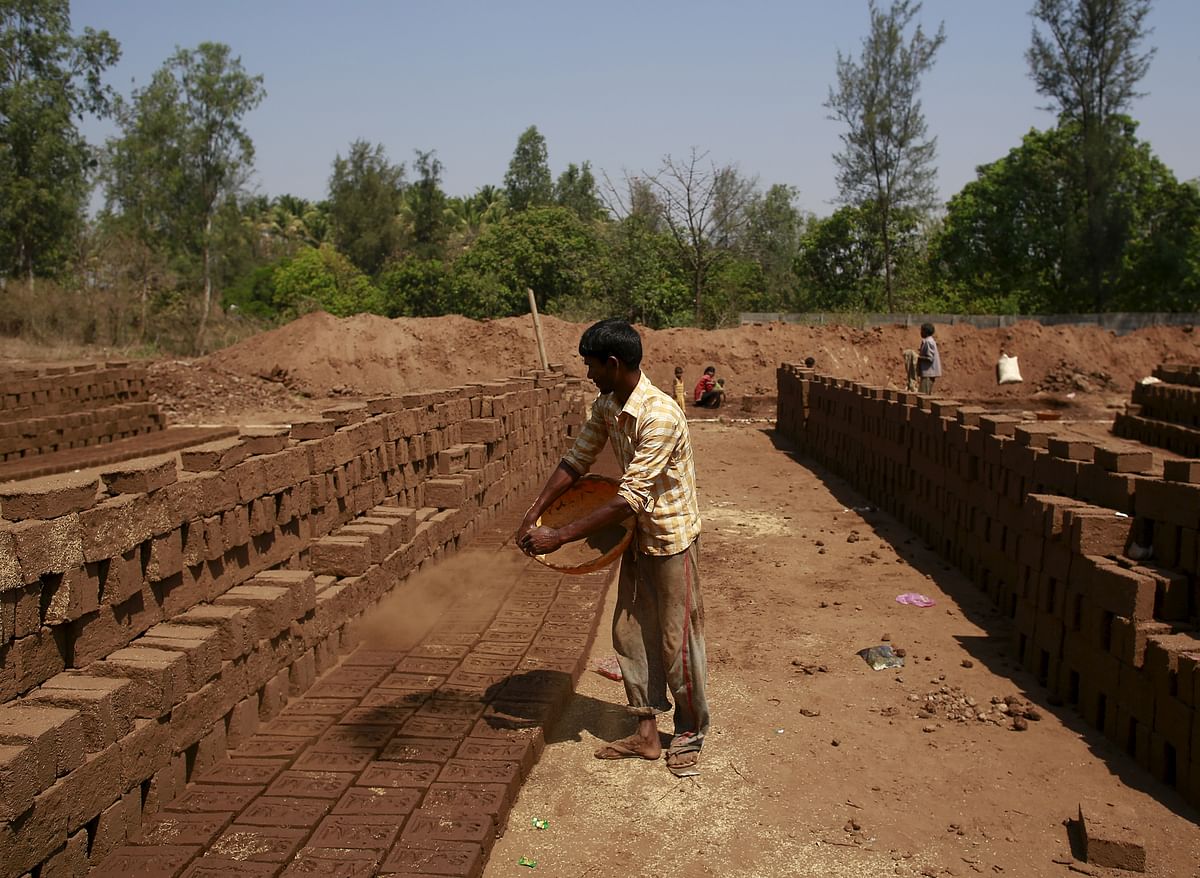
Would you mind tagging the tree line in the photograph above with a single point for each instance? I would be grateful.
(1080, 216)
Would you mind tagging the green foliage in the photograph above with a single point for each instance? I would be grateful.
(642, 281)
(48, 79)
(322, 278)
(254, 293)
(1018, 234)
(365, 195)
(527, 181)
(772, 239)
(548, 249)
(416, 287)
(425, 207)
(575, 190)
(887, 160)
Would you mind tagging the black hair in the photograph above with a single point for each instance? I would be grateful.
(809, 362)
(612, 338)
(710, 370)
(926, 330)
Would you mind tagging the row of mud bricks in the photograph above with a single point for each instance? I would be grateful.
(1088, 550)
(58, 407)
(1167, 413)
(151, 618)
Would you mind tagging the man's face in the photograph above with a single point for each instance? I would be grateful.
(602, 373)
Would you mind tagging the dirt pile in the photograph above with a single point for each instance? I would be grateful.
(320, 356)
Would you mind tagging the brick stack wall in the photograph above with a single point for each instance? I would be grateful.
(151, 618)
(1166, 414)
(55, 408)
(1057, 531)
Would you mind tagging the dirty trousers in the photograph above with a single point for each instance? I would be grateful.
(658, 632)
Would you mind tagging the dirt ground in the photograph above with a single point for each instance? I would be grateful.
(816, 764)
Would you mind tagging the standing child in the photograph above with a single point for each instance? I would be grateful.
(929, 362)
(680, 390)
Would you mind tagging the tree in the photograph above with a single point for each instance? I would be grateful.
(425, 207)
(772, 238)
(527, 180)
(365, 195)
(321, 277)
(183, 153)
(1087, 62)
(1013, 238)
(48, 79)
(703, 209)
(887, 159)
(575, 189)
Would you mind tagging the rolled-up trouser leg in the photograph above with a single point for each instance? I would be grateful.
(676, 581)
(637, 638)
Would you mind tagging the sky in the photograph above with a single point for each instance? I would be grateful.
(620, 84)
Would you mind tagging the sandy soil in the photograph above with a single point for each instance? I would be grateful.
(318, 357)
(818, 765)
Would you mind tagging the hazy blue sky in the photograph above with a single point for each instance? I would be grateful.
(617, 83)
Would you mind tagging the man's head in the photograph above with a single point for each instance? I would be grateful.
(809, 362)
(612, 351)
(926, 330)
(710, 370)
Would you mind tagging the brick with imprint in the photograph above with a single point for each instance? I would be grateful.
(341, 736)
(377, 716)
(332, 863)
(312, 706)
(288, 811)
(410, 682)
(177, 828)
(456, 798)
(410, 858)
(311, 784)
(499, 648)
(225, 867)
(424, 827)
(395, 802)
(161, 861)
(438, 667)
(296, 726)
(476, 771)
(356, 832)
(261, 844)
(214, 797)
(267, 747)
(453, 708)
(411, 698)
(381, 658)
(243, 772)
(419, 726)
(341, 759)
(407, 749)
(399, 774)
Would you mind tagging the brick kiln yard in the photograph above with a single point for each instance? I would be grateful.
(304, 650)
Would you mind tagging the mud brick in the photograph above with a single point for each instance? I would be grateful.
(382, 716)
(1174, 502)
(452, 799)
(451, 708)
(403, 748)
(214, 456)
(356, 832)
(236, 525)
(1116, 459)
(162, 861)
(1097, 532)
(53, 546)
(165, 556)
(405, 517)
(310, 706)
(68, 861)
(351, 681)
(185, 829)
(395, 773)
(199, 644)
(48, 498)
(446, 493)
(1171, 599)
(54, 734)
(241, 771)
(304, 727)
(103, 705)
(341, 556)
(229, 626)
(342, 759)
(382, 658)
(25, 770)
(301, 583)
(439, 667)
(410, 682)
(473, 771)
(140, 477)
(145, 750)
(215, 797)
(421, 857)
(548, 686)
(258, 843)
(356, 736)
(530, 714)
(390, 802)
(273, 606)
(1120, 591)
(476, 430)
(160, 677)
(424, 827)
(311, 784)
(1186, 471)
(436, 727)
(1163, 653)
(333, 863)
(1111, 837)
(222, 867)
(493, 648)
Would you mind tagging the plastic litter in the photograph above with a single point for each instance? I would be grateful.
(608, 667)
(859, 509)
(1150, 379)
(914, 600)
(880, 657)
(528, 863)
(540, 823)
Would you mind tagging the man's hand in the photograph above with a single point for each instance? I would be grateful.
(540, 541)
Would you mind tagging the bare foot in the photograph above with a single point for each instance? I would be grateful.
(633, 747)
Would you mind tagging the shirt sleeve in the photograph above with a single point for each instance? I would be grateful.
(589, 443)
(657, 434)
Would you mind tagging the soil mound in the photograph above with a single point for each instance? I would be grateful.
(321, 355)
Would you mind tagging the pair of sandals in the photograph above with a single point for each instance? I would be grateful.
(681, 763)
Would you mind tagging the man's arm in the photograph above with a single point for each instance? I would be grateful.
(562, 478)
(541, 540)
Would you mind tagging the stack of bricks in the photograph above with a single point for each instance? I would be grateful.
(59, 407)
(1166, 414)
(150, 616)
(1090, 551)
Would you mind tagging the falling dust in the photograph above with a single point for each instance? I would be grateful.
(405, 614)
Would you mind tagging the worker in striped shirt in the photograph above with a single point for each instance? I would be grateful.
(658, 626)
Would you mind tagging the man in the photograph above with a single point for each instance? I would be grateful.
(658, 626)
(707, 394)
(929, 362)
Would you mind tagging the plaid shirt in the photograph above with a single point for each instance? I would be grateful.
(651, 440)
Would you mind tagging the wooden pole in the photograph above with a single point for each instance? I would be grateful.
(537, 329)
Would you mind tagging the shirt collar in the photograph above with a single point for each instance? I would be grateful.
(637, 399)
